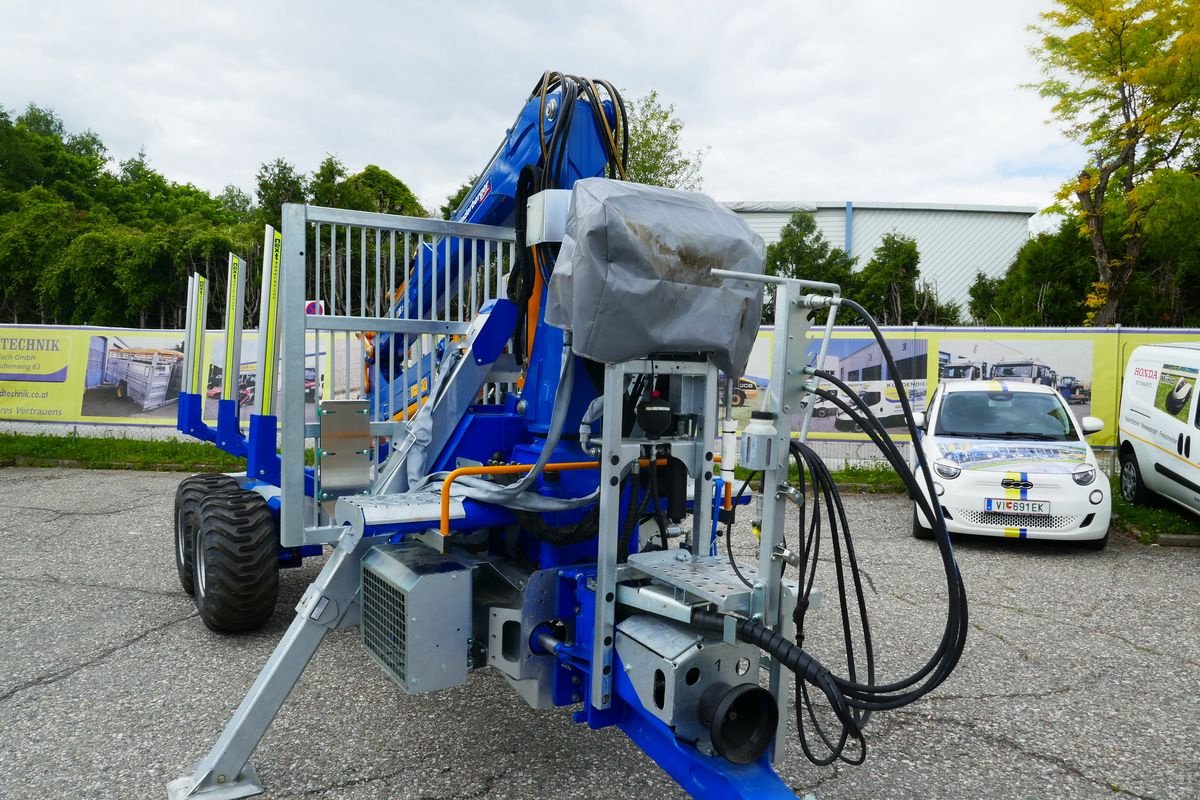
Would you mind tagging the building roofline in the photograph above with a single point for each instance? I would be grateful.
(792, 206)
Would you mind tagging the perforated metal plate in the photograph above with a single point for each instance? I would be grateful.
(708, 578)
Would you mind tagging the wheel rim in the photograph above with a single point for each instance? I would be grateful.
(198, 565)
(1128, 480)
(180, 538)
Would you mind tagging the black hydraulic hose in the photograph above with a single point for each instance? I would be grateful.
(660, 517)
(882, 441)
(947, 552)
(954, 635)
(729, 535)
(825, 489)
(937, 660)
(838, 522)
(632, 514)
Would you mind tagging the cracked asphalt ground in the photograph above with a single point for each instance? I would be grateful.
(1080, 677)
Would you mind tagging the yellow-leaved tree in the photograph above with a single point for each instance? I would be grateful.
(1124, 76)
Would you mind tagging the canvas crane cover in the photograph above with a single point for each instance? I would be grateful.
(634, 275)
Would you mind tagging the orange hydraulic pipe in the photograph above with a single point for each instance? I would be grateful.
(500, 469)
(534, 307)
(514, 469)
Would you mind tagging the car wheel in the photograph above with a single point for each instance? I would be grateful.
(919, 531)
(819, 412)
(188, 495)
(1132, 488)
(236, 562)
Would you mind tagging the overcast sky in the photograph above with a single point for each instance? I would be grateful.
(914, 101)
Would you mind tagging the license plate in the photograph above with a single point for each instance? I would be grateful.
(1040, 508)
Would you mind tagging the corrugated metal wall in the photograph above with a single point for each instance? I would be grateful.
(955, 243)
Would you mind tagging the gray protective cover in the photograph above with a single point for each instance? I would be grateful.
(634, 275)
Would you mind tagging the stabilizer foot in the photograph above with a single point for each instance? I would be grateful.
(247, 784)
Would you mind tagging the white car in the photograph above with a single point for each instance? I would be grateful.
(1009, 459)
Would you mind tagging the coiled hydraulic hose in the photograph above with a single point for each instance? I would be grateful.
(851, 698)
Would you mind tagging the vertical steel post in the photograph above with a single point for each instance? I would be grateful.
(234, 301)
(611, 466)
(291, 394)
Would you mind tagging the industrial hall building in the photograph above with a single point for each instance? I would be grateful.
(956, 242)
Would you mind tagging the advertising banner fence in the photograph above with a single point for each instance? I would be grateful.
(1084, 365)
(121, 376)
(83, 375)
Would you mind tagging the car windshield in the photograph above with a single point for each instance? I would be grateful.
(1005, 415)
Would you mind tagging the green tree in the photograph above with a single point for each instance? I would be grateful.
(79, 288)
(276, 183)
(237, 202)
(32, 237)
(803, 252)
(1124, 76)
(655, 155)
(1044, 286)
(455, 200)
(1166, 289)
(326, 184)
(888, 287)
(376, 189)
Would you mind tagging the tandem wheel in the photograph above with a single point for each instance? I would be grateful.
(235, 561)
(188, 495)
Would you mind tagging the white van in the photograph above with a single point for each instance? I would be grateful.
(1160, 418)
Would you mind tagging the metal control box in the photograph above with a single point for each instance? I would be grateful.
(416, 616)
(546, 216)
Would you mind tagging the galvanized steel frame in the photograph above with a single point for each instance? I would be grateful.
(341, 268)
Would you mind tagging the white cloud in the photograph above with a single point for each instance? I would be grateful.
(878, 100)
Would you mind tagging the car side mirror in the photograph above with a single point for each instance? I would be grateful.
(919, 419)
(1091, 425)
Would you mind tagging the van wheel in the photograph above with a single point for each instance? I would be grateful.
(1132, 488)
(919, 530)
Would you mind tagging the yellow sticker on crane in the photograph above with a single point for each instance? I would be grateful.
(272, 327)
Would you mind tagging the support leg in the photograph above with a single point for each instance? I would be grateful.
(330, 602)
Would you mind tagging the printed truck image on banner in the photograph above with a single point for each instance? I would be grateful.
(132, 376)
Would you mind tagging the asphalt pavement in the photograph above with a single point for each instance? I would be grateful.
(1080, 679)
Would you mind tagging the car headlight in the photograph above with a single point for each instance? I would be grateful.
(946, 469)
(1084, 476)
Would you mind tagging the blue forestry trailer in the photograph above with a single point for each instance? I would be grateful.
(506, 431)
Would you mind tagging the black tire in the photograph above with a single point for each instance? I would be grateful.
(236, 562)
(188, 495)
(919, 530)
(739, 398)
(1132, 488)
